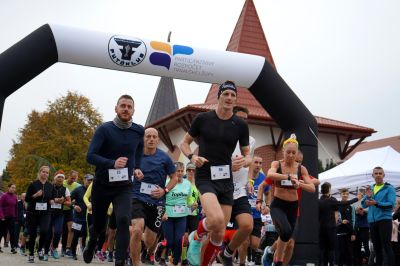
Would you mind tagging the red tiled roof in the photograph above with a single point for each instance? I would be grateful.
(248, 37)
(260, 113)
(394, 142)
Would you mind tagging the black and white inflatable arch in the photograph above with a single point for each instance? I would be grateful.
(54, 43)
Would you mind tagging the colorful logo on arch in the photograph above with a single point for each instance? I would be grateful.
(165, 51)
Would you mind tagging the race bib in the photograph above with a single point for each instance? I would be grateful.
(220, 172)
(286, 183)
(179, 209)
(56, 206)
(41, 206)
(253, 202)
(77, 227)
(116, 175)
(147, 188)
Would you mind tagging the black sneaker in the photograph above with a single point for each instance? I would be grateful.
(226, 261)
(13, 251)
(31, 259)
(162, 262)
(110, 257)
(74, 257)
(88, 252)
(120, 263)
(1, 251)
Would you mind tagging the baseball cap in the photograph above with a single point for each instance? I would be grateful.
(190, 165)
(89, 177)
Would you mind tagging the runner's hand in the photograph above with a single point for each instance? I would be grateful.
(120, 162)
(138, 174)
(238, 162)
(198, 160)
(157, 193)
(77, 208)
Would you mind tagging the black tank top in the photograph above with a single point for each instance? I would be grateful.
(277, 183)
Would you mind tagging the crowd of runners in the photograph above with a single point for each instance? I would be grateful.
(142, 207)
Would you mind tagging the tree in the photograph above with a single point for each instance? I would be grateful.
(58, 137)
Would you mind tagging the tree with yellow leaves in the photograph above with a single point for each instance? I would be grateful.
(58, 137)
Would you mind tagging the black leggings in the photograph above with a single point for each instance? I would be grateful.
(284, 216)
(8, 226)
(120, 197)
(327, 244)
(381, 233)
(35, 220)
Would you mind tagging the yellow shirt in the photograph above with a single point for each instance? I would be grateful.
(87, 196)
(377, 188)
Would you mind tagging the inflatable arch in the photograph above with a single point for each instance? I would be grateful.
(54, 43)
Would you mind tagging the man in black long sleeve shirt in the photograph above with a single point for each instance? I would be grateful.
(345, 230)
(327, 223)
(116, 150)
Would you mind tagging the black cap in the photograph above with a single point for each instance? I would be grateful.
(227, 85)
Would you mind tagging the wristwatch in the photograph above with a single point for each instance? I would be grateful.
(190, 156)
(288, 177)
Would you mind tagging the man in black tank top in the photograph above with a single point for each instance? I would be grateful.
(217, 133)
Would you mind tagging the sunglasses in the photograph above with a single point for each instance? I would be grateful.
(190, 170)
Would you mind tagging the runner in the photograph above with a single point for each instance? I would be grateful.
(116, 150)
(241, 210)
(176, 206)
(284, 207)
(217, 133)
(38, 196)
(148, 195)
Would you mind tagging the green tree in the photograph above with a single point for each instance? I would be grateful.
(58, 137)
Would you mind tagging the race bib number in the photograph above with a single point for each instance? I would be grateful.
(41, 206)
(253, 202)
(147, 188)
(77, 227)
(56, 206)
(178, 209)
(220, 172)
(286, 183)
(116, 175)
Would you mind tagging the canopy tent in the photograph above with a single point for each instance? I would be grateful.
(356, 172)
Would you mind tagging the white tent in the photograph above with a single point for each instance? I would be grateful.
(356, 172)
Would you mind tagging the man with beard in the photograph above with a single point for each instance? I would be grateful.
(116, 150)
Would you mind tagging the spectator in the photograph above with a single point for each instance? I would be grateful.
(380, 199)
(8, 216)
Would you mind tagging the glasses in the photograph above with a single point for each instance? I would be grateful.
(190, 170)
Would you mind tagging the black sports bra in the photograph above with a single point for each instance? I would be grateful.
(277, 183)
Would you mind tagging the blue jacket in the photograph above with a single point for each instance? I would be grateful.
(385, 199)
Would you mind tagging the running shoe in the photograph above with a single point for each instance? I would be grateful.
(31, 259)
(68, 253)
(100, 255)
(267, 257)
(45, 257)
(110, 256)
(41, 255)
(88, 252)
(54, 254)
(193, 253)
(226, 261)
(13, 251)
(22, 251)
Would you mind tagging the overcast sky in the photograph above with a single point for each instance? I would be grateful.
(340, 57)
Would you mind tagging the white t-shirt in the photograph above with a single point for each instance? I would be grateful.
(240, 177)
